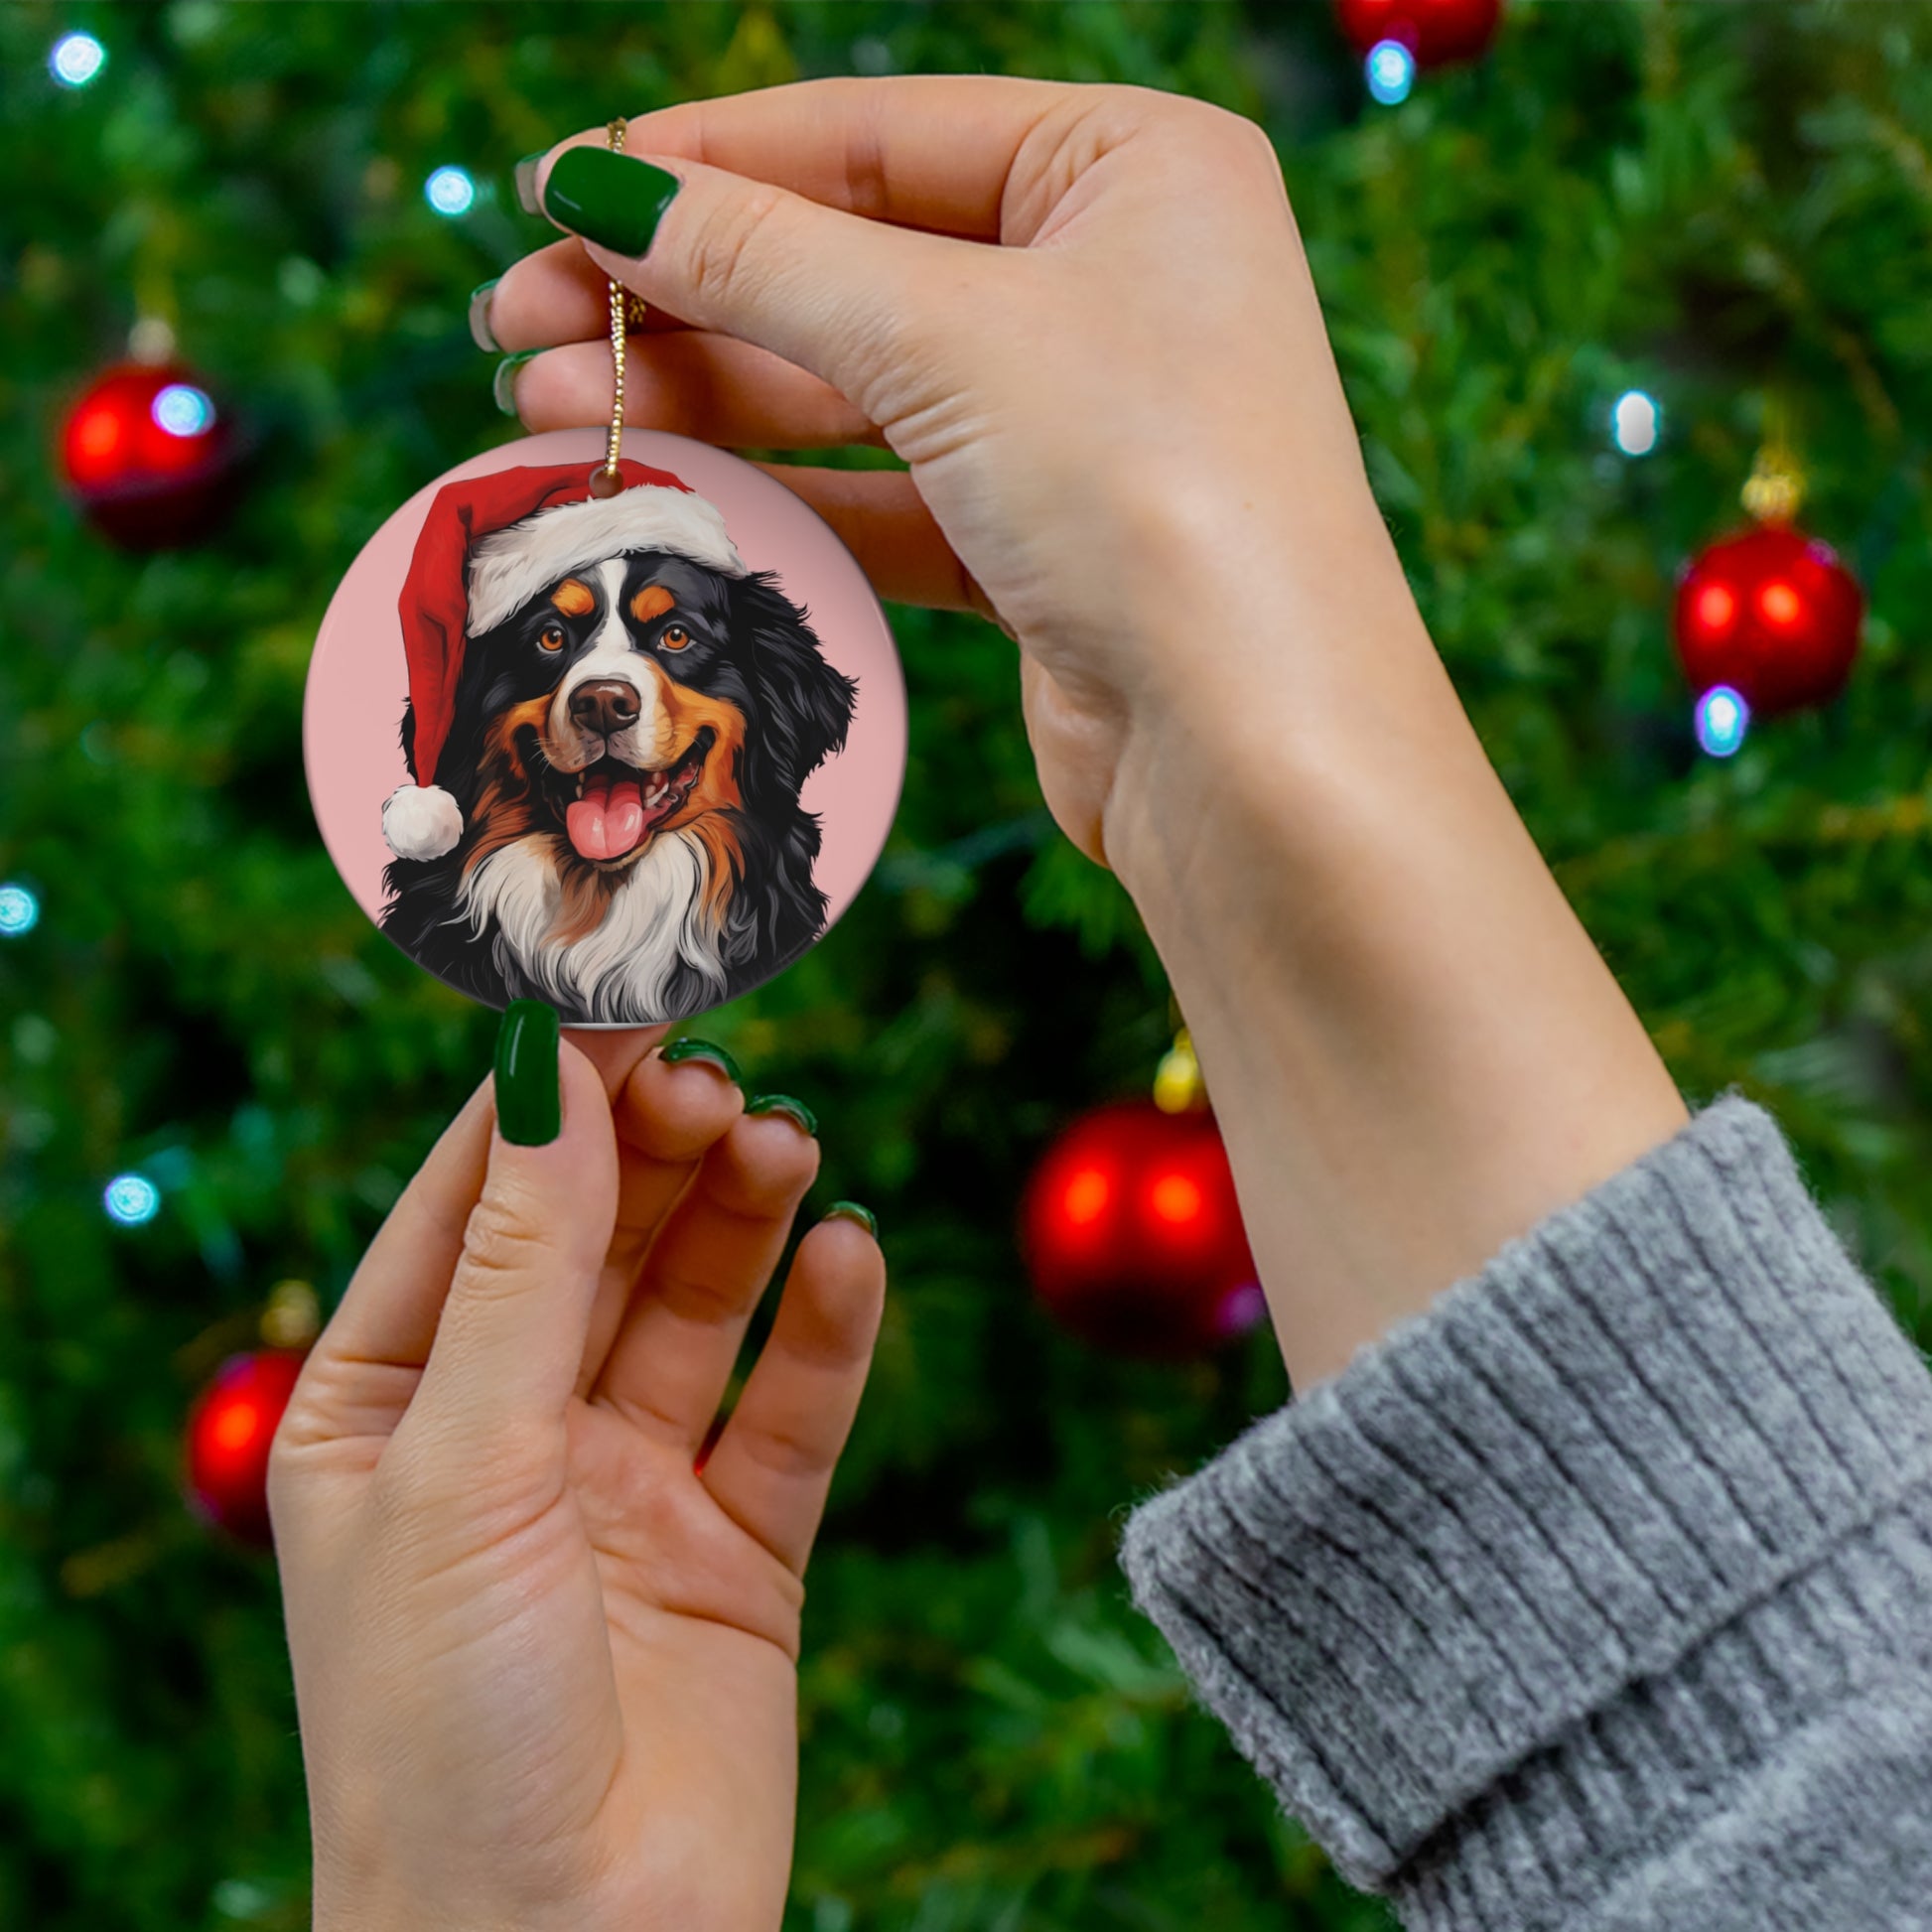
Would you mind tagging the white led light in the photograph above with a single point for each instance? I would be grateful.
(183, 410)
(450, 191)
(75, 59)
(1391, 72)
(132, 1199)
(1722, 718)
(19, 911)
(1635, 423)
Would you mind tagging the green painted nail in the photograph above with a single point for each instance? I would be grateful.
(609, 199)
(480, 331)
(850, 1210)
(678, 1050)
(529, 1103)
(783, 1103)
(526, 176)
(502, 385)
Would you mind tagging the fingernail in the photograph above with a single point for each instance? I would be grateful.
(502, 385)
(850, 1210)
(480, 331)
(609, 199)
(530, 1102)
(526, 183)
(676, 1052)
(783, 1103)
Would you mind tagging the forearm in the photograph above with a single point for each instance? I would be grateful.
(1414, 1049)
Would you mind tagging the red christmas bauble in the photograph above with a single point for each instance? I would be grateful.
(149, 456)
(1436, 31)
(229, 1430)
(1133, 1235)
(1772, 614)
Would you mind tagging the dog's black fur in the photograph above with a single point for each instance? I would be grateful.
(751, 647)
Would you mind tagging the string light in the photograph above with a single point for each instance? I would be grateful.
(183, 410)
(450, 192)
(1722, 718)
(19, 911)
(1391, 72)
(75, 59)
(131, 1200)
(1636, 422)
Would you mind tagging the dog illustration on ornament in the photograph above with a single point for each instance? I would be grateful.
(609, 724)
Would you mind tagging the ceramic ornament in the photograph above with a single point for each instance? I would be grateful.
(630, 752)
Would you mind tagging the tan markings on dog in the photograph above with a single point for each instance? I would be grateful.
(725, 870)
(714, 796)
(651, 601)
(507, 805)
(572, 598)
(586, 898)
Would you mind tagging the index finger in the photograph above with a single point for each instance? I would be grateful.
(919, 150)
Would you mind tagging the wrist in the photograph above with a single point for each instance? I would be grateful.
(1273, 700)
(1414, 1049)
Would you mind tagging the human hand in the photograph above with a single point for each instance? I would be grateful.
(544, 1668)
(1124, 429)
(1126, 437)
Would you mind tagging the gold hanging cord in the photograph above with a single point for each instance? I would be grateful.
(627, 312)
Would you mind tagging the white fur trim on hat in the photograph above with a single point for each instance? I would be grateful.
(511, 566)
(421, 822)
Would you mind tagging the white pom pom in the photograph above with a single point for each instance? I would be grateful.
(421, 822)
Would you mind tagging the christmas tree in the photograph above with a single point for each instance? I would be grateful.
(1718, 210)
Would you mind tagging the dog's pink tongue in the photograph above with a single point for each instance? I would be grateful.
(608, 820)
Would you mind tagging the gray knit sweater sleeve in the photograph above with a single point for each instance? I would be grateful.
(1599, 1595)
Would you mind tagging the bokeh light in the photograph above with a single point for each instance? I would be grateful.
(1722, 719)
(75, 59)
(1636, 422)
(184, 410)
(1391, 72)
(1176, 1199)
(450, 191)
(19, 911)
(132, 1199)
(1087, 1194)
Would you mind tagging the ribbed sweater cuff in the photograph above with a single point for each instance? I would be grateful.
(1553, 1501)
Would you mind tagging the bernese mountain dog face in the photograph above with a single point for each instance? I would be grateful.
(627, 749)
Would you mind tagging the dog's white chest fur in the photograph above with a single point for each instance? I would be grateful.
(621, 972)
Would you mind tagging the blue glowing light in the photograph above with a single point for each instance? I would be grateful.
(132, 1199)
(75, 59)
(184, 410)
(450, 191)
(19, 911)
(1391, 72)
(1636, 422)
(1722, 718)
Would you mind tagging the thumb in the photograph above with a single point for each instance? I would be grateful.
(510, 1339)
(832, 292)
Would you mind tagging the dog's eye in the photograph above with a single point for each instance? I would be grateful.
(675, 636)
(553, 637)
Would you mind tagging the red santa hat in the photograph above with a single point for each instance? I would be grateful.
(488, 545)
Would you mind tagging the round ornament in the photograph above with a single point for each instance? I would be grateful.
(630, 750)
(229, 1431)
(1436, 31)
(149, 456)
(1771, 614)
(1133, 1235)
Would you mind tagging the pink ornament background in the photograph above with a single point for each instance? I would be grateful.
(359, 676)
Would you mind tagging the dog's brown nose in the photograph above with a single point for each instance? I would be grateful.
(605, 705)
